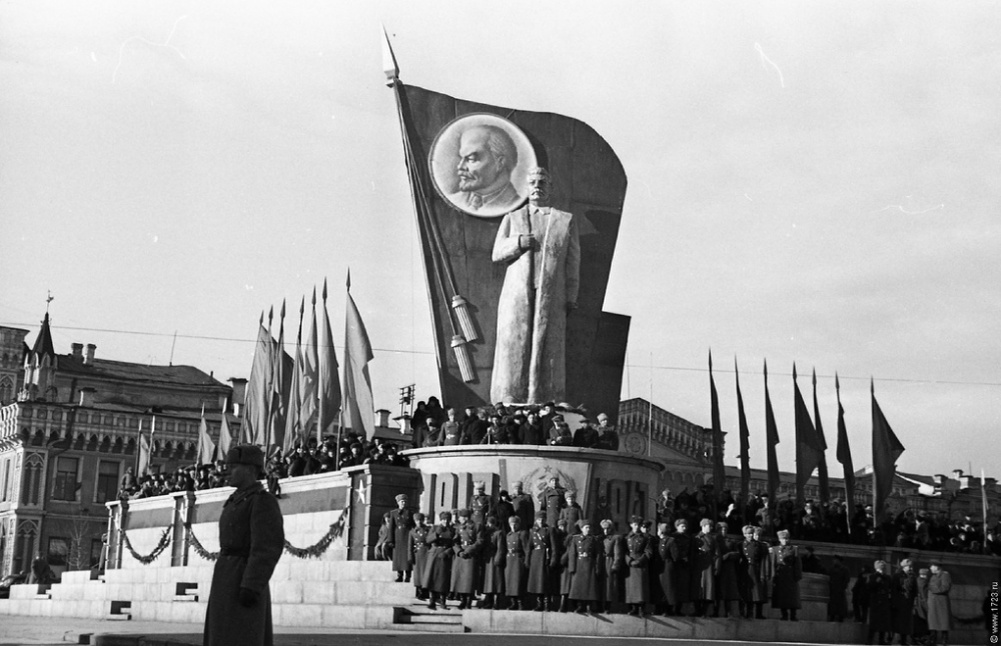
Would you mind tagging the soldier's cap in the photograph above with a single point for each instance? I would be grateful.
(402, 497)
(747, 529)
(479, 485)
(924, 571)
(605, 524)
(585, 521)
(906, 562)
(680, 522)
(635, 519)
(782, 533)
(419, 516)
(445, 515)
(462, 513)
(246, 454)
(540, 514)
(569, 493)
(705, 521)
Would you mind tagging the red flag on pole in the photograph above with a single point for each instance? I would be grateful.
(329, 385)
(719, 472)
(225, 437)
(293, 432)
(206, 447)
(845, 456)
(822, 476)
(808, 450)
(309, 384)
(745, 445)
(772, 435)
(258, 397)
(281, 381)
(886, 448)
(359, 408)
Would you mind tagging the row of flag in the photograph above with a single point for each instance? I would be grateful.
(290, 398)
(811, 445)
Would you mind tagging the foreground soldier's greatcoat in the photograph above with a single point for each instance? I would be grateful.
(251, 539)
(638, 555)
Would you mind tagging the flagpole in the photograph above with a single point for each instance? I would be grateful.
(649, 426)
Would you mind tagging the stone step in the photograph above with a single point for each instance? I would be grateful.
(431, 627)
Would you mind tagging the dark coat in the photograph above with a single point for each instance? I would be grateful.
(880, 614)
(585, 562)
(531, 434)
(552, 501)
(785, 569)
(673, 553)
(614, 571)
(417, 552)
(572, 515)
(467, 546)
(503, 510)
(516, 546)
(494, 556)
(251, 540)
(541, 554)
(727, 588)
(707, 560)
(903, 590)
(837, 586)
(559, 577)
(401, 521)
(753, 571)
(438, 571)
(638, 555)
(481, 505)
(939, 608)
(656, 567)
(524, 509)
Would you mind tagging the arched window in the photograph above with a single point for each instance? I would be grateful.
(6, 390)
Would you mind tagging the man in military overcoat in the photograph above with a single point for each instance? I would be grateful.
(401, 521)
(540, 560)
(585, 562)
(251, 539)
(785, 569)
(638, 554)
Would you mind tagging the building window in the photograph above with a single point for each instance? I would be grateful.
(96, 547)
(107, 481)
(59, 550)
(5, 485)
(65, 484)
(6, 390)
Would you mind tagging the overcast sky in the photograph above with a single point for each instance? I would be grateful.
(808, 182)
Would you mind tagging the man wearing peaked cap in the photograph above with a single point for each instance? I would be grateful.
(401, 521)
(251, 539)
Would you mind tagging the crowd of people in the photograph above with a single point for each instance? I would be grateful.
(314, 458)
(829, 522)
(522, 553)
(545, 425)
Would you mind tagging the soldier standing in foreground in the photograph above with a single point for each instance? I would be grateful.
(251, 539)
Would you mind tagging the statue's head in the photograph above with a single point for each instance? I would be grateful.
(538, 186)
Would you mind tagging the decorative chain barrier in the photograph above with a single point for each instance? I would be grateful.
(335, 531)
(149, 558)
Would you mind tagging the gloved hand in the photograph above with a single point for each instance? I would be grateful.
(248, 597)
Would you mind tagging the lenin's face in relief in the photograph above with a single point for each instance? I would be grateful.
(480, 170)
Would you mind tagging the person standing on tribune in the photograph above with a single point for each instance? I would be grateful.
(251, 539)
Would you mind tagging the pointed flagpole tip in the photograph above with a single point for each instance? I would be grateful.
(389, 65)
(302, 305)
(814, 376)
(794, 371)
(349, 279)
(837, 384)
(324, 289)
(283, 308)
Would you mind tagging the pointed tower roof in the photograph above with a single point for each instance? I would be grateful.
(43, 343)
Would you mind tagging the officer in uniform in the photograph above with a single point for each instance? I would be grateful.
(753, 557)
(785, 568)
(524, 505)
(438, 571)
(518, 547)
(401, 521)
(542, 551)
(251, 539)
(613, 572)
(417, 552)
(467, 546)
(638, 555)
(481, 505)
(707, 562)
(585, 562)
(553, 499)
(571, 513)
